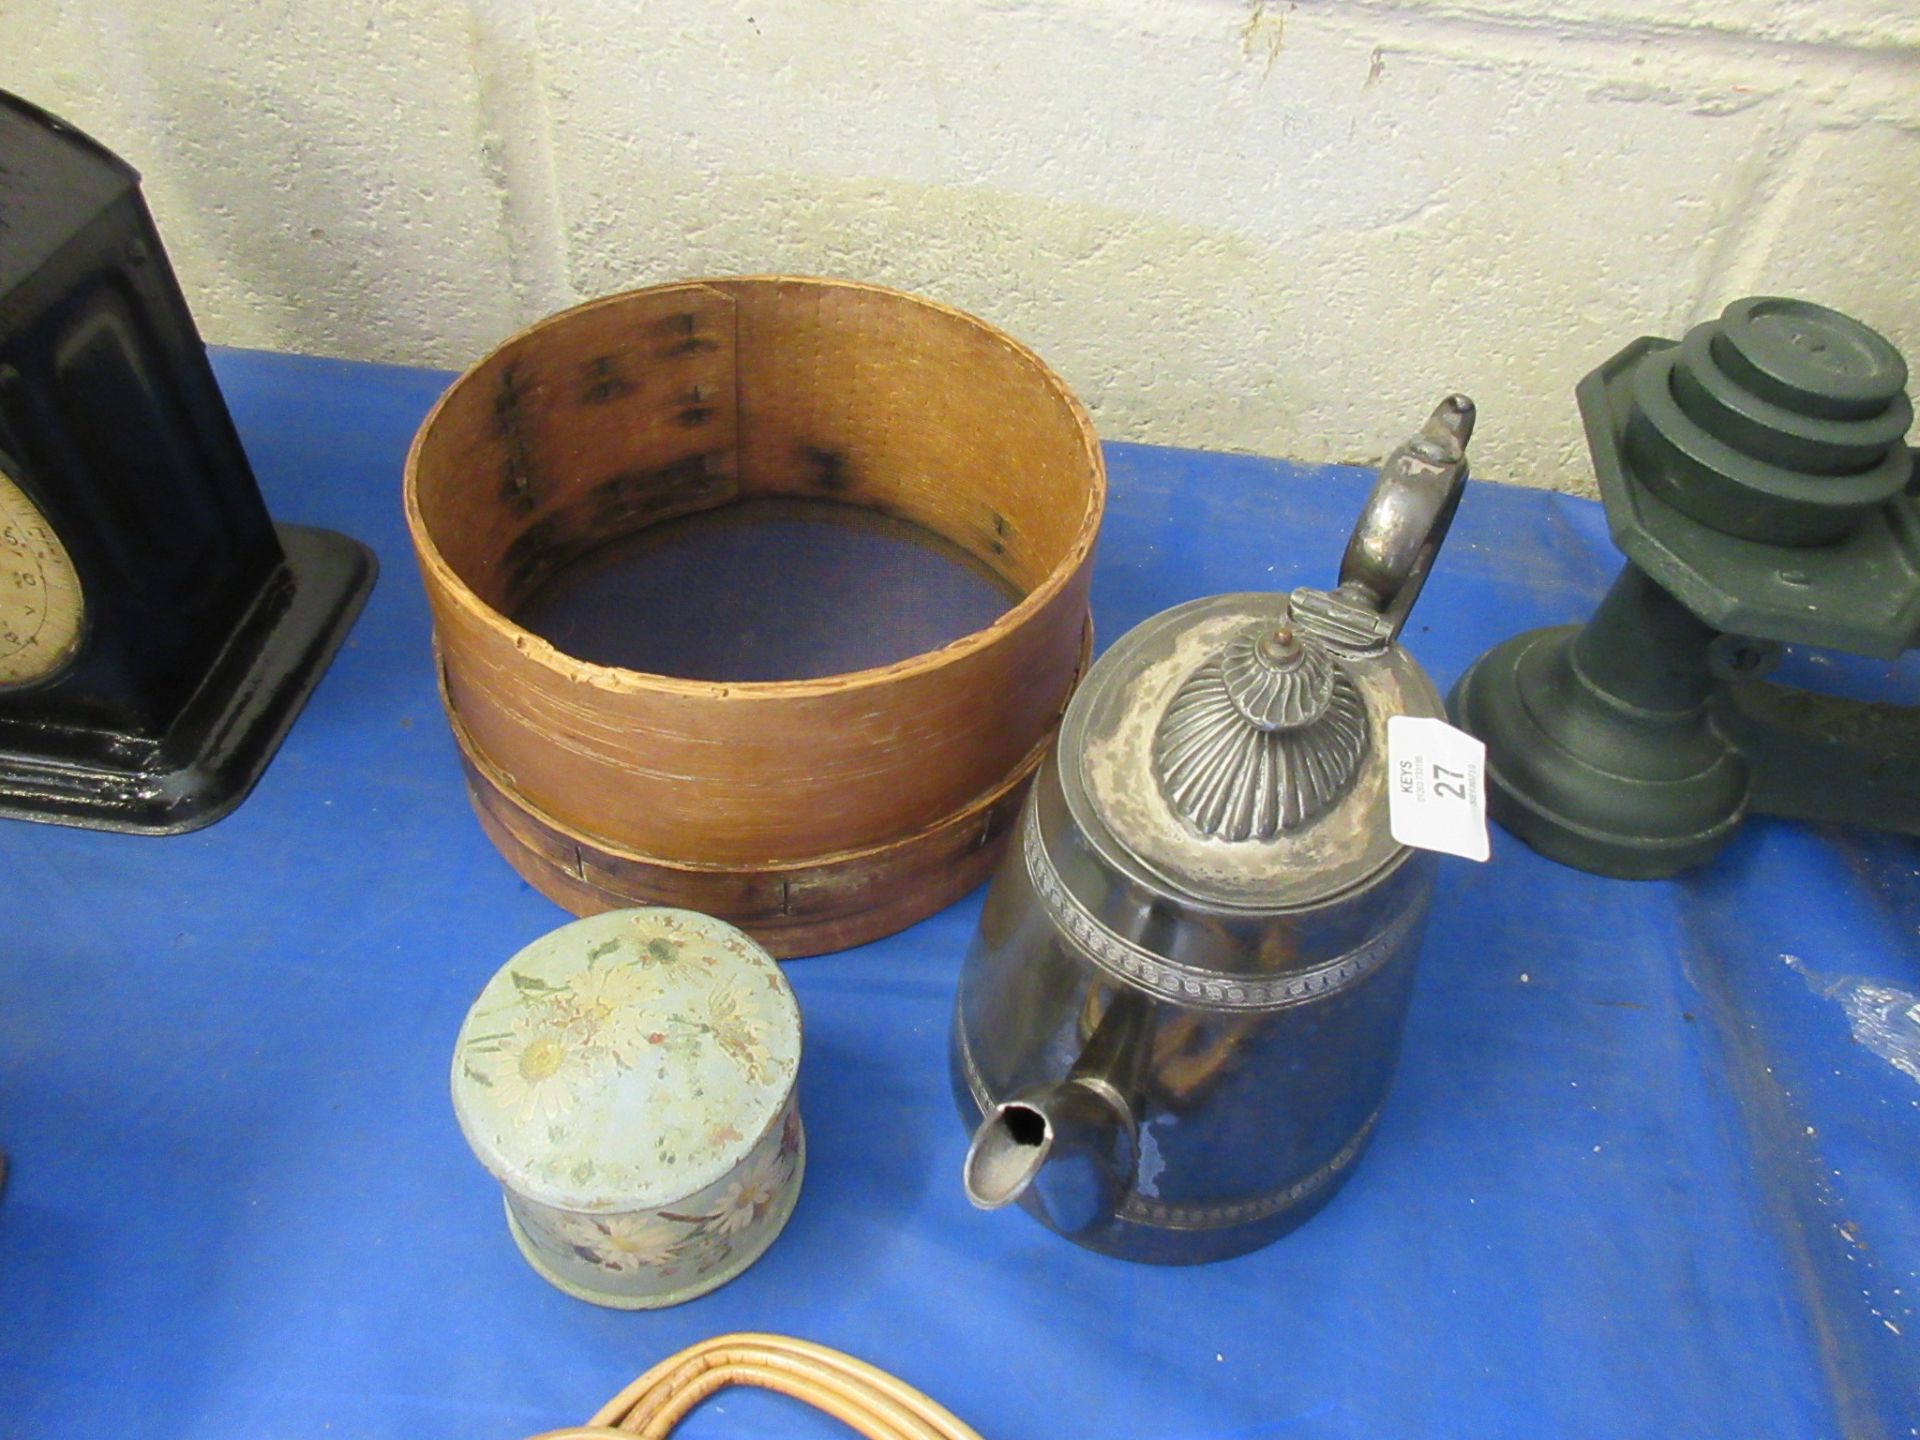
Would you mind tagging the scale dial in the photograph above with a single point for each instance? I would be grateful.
(41, 612)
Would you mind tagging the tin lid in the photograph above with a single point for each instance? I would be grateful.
(1232, 751)
(627, 1060)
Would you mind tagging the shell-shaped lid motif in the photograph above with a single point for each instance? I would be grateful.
(1261, 739)
(1227, 757)
(626, 1060)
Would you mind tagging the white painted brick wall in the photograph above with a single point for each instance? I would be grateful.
(1263, 226)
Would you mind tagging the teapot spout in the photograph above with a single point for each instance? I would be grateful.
(1068, 1147)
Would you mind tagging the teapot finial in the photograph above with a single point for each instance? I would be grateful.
(1275, 679)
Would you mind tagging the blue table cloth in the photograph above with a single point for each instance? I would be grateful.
(1651, 1166)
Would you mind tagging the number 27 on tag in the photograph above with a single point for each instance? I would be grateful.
(1436, 787)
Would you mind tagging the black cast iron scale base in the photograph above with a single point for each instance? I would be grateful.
(215, 750)
(1756, 478)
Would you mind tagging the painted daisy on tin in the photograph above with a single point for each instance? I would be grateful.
(632, 1242)
(739, 1031)
(748, 1198)
(535, 1069)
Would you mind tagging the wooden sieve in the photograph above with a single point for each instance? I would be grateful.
(817, 813)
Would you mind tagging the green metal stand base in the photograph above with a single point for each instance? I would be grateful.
(1601, 752)
(1756, 476)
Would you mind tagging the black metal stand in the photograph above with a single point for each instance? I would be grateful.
(197, 626)
(212, 756)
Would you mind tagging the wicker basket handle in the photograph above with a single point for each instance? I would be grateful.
(867, 1400)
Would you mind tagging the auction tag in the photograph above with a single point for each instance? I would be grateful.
(1437, 787)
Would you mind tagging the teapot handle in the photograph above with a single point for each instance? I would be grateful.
(1396, 537)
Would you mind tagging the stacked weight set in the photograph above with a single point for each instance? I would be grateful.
(1756, 478)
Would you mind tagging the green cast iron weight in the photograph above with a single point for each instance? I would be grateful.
(1755, 474)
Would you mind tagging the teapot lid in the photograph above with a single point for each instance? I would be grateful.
(1234, 748)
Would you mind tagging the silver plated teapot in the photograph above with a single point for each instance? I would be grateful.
(1182, 1010)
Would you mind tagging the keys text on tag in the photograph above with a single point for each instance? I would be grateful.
(1436, 787)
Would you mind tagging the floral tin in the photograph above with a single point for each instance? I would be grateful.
(629, 1080)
